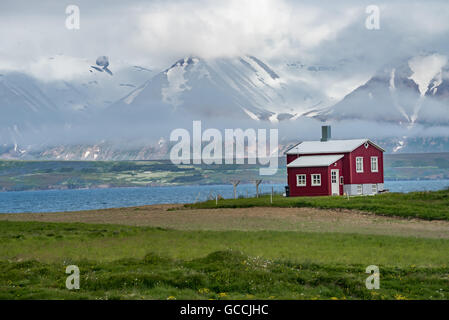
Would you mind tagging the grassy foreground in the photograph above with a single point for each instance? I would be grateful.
(429, 205)
(153, 263)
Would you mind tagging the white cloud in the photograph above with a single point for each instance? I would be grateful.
(213, 29)
(157, 33)
(58, 67)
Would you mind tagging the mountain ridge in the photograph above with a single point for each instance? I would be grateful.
(226, 92)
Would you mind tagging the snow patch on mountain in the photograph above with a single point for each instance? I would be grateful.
(413, 91)
(426, 68)
(131, 96)
(436, 83)
(392, 85)
(250, 114)
(176, 82)
(400, 145)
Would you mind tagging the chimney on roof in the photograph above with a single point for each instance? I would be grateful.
(325, 133)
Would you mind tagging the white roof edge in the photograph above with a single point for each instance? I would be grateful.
(362, 141)
(286, 151)
(327, 160)
(376, 145)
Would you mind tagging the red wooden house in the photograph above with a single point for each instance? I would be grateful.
(335, 167)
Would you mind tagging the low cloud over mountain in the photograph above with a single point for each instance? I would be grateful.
(99, 116)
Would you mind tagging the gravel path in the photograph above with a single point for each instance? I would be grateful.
(248, 219)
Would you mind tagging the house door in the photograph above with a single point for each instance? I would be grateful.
(334, 182)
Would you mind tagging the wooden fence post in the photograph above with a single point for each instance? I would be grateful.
(235, 183)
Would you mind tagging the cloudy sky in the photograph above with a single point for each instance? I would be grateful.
(34, 38)
(157, 33)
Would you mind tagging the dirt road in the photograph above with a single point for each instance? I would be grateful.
(248, 219)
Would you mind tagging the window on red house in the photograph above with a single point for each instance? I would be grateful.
(359, 164)
(316, 179)
(301, 180)
(374, 166)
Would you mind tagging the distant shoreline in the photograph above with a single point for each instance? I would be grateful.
(96, 187)
(68, 175)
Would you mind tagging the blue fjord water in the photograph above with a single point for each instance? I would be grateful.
(85, 199)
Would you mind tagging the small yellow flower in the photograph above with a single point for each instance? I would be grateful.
(171, 298)
(204, 290)
(334, 298)
(400, 297)
(222, 294)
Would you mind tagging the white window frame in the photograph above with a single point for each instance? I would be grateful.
(301, 184)
(314, 184)
(361, 164)
(360, 189)
(377, 164)
(374, 188)
(342, 181)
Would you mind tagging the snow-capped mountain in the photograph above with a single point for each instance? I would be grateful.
(416, 91)
(242, 87)
(234, 92)
(33, 107)
(93, 89)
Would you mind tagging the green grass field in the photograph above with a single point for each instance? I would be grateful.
(423, 205)
(123, 262)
